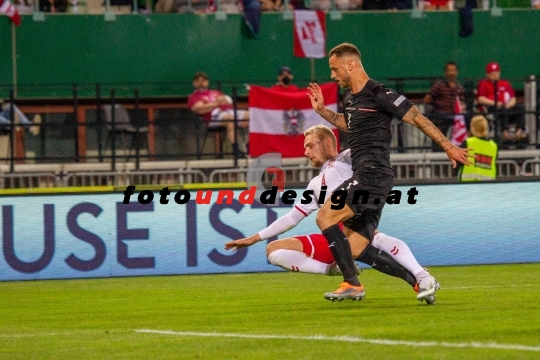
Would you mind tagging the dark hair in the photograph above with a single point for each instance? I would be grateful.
(451, 63)
(344, 50)
(200, 74)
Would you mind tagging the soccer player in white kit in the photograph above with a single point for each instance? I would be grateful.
(310, 253)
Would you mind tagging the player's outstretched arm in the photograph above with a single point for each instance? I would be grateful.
(282, 224)
(456, 154)
(317, 102)
(241, 243)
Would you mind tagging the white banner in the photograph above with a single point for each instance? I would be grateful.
(309, 34)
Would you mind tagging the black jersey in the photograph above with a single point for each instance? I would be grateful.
(368, 115)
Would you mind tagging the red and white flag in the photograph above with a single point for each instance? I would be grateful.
(6, 8)
(277, 120)
(459, 129)
(309, 34)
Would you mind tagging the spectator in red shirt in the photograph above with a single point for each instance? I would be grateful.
(285, 78)
(497, 96)
(216, 108)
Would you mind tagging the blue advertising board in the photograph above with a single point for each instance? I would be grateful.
(96, 235)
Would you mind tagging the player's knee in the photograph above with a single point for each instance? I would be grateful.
(379, 240)
(322, 220)
(272, 256)
(272, 246)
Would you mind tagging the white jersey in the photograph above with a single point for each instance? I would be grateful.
(333, 173)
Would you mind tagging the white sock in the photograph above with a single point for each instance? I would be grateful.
(293, 260)
(400, 252)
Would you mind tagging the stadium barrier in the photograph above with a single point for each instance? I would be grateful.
(512, 164)
(96, 235)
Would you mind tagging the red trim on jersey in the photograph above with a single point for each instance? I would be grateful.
(368, 110)
(302, 211)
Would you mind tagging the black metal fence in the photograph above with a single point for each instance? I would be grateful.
(86, 129)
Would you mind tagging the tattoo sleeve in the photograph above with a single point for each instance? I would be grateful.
(338, 120)
(415, 118)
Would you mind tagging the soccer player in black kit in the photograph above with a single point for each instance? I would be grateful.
(368, 112)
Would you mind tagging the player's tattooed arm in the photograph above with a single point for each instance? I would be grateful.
(316, 97)
(455, 154)
(338, 120)
(415, 118)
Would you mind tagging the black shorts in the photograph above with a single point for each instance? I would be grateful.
(367, 191)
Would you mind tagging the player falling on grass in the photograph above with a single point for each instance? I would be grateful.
(368, 111)
(310, 253)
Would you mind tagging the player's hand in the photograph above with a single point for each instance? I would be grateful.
(456, 154)
(241, 243)
(316, 96)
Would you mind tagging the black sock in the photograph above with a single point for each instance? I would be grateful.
(341, 249)
(383, 262)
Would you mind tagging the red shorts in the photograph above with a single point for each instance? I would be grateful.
(316, 247)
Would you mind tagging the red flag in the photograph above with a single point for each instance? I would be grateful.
(459, 129)
(9, 10)
(309, 34)
(277, 119)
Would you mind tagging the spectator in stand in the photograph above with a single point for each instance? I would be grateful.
(230, 6)
(271, 5)
(216, 109)
(53, 6)
(24, 6)
(496, 96)
(344, 5)
(296, 5)
(324, 5)
(535, 4)
(285, 78)
(19, 118)
(377, 5)
(485, 151)
(437, 4)
(402, 4)
(444, 96)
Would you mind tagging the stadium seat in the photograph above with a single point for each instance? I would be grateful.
(123, 127)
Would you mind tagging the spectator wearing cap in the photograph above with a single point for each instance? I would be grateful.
(496, 96)
(285, 78)
(216, 109)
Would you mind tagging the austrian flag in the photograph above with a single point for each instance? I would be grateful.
(277, 120)
(6, 8)
(459, 128)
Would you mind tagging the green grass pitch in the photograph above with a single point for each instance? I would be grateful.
(482, 312)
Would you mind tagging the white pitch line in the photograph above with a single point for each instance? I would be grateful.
(348, 339)
(27, 335)
(491, 286)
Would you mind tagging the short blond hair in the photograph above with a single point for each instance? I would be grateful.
(322, 133)
(344, 49)
(479, 126)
